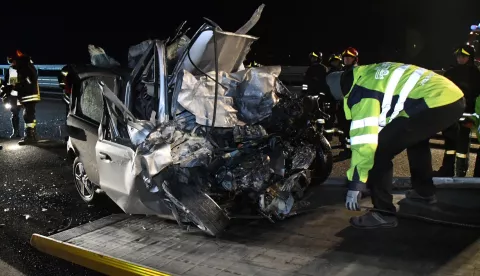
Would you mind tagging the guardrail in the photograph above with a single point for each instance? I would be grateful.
(47, 75)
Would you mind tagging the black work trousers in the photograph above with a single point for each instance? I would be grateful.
(457, 138)
(343, 125)
(412, 134)
(457, 148)
(29, 114)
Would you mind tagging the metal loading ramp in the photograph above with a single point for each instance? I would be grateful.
(315, 243)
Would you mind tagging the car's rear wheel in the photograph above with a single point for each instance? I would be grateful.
(85, 188)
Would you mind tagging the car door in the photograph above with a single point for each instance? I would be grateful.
(115, 158)
(84, 121)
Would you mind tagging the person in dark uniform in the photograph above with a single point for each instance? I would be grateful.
(10, 98)
(350, 58)
(350, 61)
(457, 137)
(335, 63)
(24, 79)
(315, 76)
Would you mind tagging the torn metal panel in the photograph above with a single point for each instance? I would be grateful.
(161, 81)
(252, 21)
(99, 58)
(136, 52)
(246, 96)
(303, 157)
(256, 93)
(231, 51)
(197, 96)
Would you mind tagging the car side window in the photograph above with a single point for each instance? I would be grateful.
(90, 104)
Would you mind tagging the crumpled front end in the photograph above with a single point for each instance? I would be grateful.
(218, 123)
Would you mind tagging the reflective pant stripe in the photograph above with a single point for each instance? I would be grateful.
(30, 100)
(450, 152)
(31, 125)
(31, 96)
(406, 89)
(461, 155)
(369, 121)
(389, 91)
(364, 139)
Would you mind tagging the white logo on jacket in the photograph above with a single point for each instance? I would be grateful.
(382, 71)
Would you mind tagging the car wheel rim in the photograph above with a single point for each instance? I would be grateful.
(82, 183)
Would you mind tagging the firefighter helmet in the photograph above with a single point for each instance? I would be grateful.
(334, 57)
(465, 50)
(316, 54)
(17, 55)
(350, 52)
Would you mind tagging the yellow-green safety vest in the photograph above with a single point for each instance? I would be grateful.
(382, 92)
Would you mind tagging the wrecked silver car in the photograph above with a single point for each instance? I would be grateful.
(189, 134)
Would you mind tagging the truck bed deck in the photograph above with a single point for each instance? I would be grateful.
(315, 243)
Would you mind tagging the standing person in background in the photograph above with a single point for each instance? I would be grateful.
(457, 137)
(10, 98)
(350, 60)
(26, 84)
(335, 63)
(315, 75)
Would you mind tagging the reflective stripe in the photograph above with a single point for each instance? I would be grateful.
(450, 152)
(461, 155)
(407, 88)
(30, 125)
(31, 96)
(369, 121)
(389, 91)
(364, 139)
(31, 100)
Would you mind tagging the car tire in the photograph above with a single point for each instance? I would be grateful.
(198, 207)
(80, 179)
(323, 164)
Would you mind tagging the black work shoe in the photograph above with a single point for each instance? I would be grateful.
(373, 220)
(413, 195)
(27, 141)
(15, 135)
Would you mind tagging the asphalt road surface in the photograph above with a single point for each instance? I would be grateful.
(37, 195)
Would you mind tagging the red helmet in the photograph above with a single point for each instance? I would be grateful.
(16, 56)
(350, 52)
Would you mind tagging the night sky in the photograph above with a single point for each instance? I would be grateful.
(58, 33)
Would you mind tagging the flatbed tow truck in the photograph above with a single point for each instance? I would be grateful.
(318, 242)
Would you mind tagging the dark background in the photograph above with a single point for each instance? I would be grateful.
(58, 33)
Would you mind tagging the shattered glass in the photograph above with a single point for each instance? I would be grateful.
(91, 101)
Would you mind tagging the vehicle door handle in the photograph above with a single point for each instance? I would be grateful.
(104, 156)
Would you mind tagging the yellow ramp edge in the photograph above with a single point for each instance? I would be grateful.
(90, 259)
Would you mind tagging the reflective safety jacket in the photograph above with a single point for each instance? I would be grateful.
(25, 82)
(380, 93)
